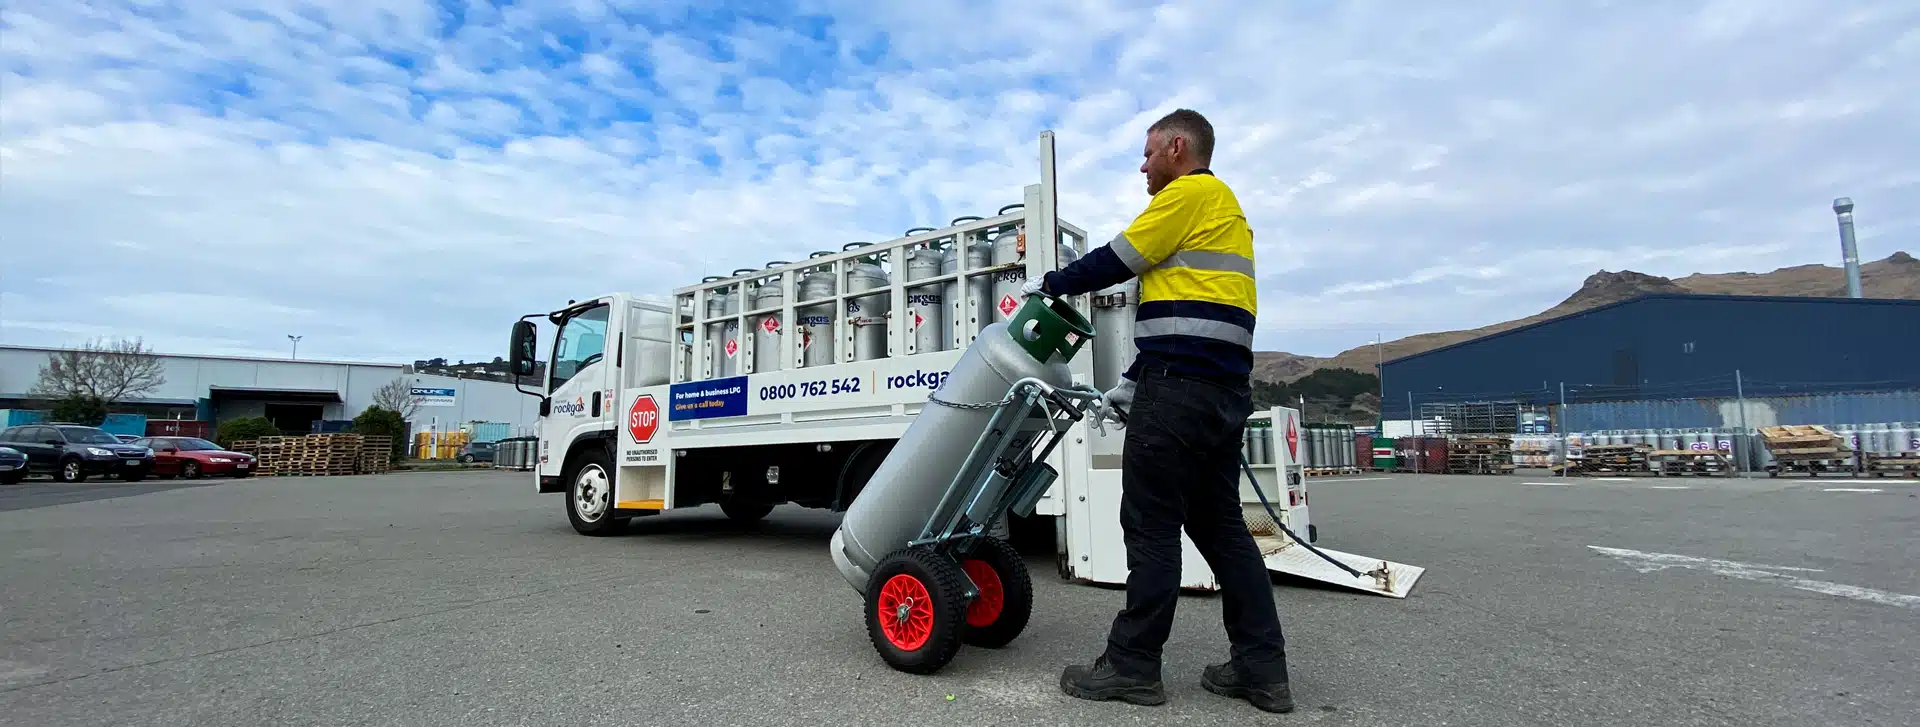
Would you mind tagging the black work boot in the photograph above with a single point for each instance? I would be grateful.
(1100, 682)
(1228, 680)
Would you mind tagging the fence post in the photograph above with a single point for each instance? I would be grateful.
(1740, 394)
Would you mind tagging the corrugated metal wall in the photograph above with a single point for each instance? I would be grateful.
(1675, 347)
(1765, 411)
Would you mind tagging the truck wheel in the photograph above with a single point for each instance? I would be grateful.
(916, 610)
(745, 512)
(1006, 593)
(590, 495)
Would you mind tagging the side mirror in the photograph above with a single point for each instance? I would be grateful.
(522, 355)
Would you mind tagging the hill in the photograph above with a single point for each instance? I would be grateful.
(1896, 276)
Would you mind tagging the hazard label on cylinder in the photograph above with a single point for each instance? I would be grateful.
(733, 347)
(771, 324)
(1007, 305)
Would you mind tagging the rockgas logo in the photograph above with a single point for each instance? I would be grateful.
(918, 380)
(571, 407)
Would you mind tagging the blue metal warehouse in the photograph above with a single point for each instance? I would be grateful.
(1651, 352)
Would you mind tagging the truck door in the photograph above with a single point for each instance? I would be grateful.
(580, 378)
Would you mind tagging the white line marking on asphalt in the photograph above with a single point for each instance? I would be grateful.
(1549, 484)
(1851, 489)
(1611, 479)
(1650, 562)
(1671, 487)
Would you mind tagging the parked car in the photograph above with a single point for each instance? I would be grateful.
(74, 452)
(126, 438)
(477, 452)
(13, 465)
(193, 457)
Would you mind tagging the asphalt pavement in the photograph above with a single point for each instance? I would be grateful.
(465, 599)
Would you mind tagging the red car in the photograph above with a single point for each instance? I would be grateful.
(193, 457)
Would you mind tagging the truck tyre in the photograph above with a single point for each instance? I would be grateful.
(916, 610)
(590, 494)
(745, 512)
(70, 471)
(1006, 593)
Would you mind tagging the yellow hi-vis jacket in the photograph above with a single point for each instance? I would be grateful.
(1193, 252)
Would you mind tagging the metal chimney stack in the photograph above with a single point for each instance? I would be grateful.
(1850, 255)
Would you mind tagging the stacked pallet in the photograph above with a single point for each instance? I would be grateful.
(1480, 455)
(321, 455)
(1906, 464)
(268, 452)
(376, 454)
(1612, 459)
(1808, 449)
(1681, 462)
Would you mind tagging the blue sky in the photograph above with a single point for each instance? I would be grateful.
(401, 180)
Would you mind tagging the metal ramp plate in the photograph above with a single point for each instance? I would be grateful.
(1283, 555)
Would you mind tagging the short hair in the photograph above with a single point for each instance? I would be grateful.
(1190, 124)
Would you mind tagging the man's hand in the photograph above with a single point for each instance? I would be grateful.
(1035, 284)
(1116, 399)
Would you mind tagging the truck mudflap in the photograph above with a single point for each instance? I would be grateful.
(1283, 554)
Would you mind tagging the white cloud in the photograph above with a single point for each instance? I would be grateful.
(401, 180)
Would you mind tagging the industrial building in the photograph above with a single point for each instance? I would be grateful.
(1682, 361)
(293, 393)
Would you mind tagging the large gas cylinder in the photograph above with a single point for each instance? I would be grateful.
(768, 353)
(721, 333)
(975, 255)
(905, 491)
(815, 326)
(867, 316)
(1011, 247)
(926, 310)
(1113, 312)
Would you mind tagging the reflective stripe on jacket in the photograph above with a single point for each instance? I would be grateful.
(1193, 252)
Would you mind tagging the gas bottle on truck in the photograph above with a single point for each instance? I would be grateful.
(867, 315)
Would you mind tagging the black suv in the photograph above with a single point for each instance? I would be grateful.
(72, 452)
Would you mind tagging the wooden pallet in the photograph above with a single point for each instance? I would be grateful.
(1892, 465)
(1682, 462)
(1811, 467)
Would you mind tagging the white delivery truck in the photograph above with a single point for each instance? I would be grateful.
(790, 383)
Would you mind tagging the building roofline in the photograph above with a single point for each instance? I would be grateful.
(1649, 297)
(224, 357)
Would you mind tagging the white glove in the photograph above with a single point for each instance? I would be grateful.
(1033, 285)
(1118, 398)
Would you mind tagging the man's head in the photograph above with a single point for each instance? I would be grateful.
(1177, 144)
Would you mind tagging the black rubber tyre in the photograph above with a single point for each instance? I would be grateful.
(590, 494)
(70, 471)
(1006, 593)
(928, 589)
(745, 512)
(13, 478)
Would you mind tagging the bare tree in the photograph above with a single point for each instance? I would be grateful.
(397, 396)
(101, 372)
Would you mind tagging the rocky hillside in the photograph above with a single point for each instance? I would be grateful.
(1896, 276)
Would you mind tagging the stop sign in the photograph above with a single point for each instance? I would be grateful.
(643, 419)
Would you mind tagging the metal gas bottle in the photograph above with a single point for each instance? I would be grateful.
(815, 326)
(974, 255)
(768, 354)
(1113, 313)
(720, 333)
(867, 316)
(904, 492)
(926, 308)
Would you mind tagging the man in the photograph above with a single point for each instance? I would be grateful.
(1188, 394)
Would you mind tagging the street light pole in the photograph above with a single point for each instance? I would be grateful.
(296, 344)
